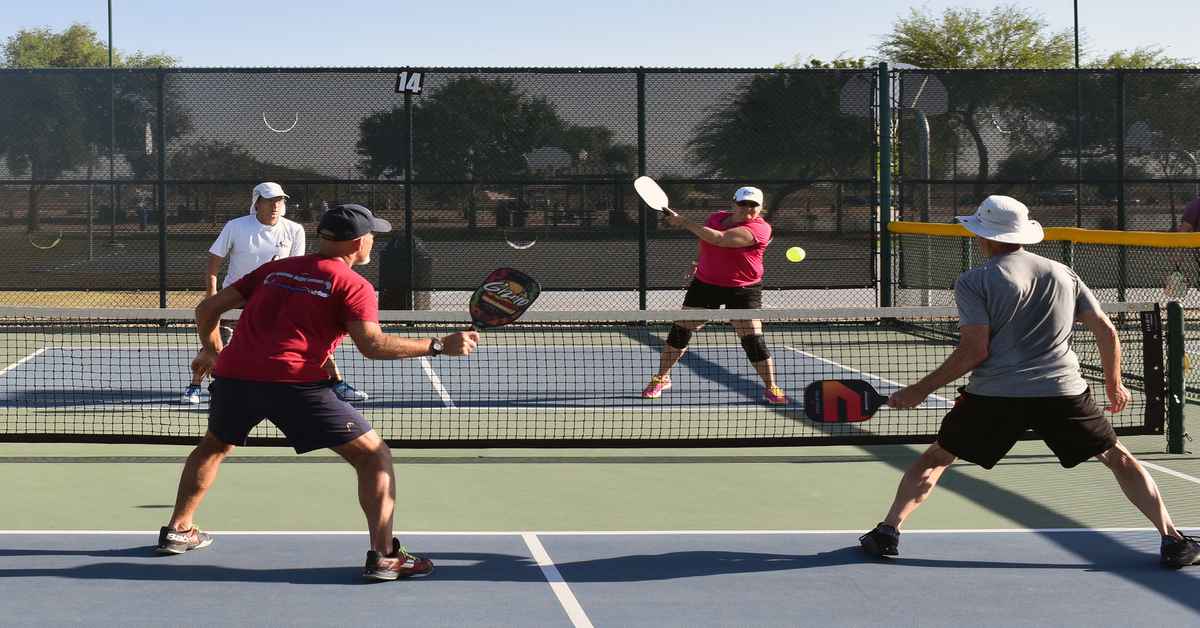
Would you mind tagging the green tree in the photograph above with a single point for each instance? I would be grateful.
(814, 63)
(475, 129)
(217, 159)
(1007, 36)
(791, 125)
(1145, 57)
(51, 123)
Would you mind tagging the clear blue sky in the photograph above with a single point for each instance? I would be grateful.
(700, 33)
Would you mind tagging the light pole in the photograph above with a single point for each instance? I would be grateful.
(112, 137)
(1077, 33)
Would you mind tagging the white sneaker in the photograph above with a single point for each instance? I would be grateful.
(191, 396)
(346, 392)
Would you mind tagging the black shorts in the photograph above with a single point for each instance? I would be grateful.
(982, 429)
(708, 296)
(310, 415)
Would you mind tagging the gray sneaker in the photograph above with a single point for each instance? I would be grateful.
(172, 541)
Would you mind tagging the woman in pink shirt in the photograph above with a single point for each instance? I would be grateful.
(728, 272)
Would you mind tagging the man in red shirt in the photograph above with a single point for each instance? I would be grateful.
(728, 271)
(295, 313)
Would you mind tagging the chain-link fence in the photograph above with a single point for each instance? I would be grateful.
(114, 184)
(1098, 149)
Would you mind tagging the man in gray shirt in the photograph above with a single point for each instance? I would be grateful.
(1016, 314)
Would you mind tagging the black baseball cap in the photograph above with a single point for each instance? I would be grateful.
(349, 222)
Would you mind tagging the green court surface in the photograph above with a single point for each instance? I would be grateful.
(126, 487)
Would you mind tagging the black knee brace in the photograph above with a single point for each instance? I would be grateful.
(756, 347)
(679, 337)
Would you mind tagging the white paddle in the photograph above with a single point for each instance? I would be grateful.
(653, 195)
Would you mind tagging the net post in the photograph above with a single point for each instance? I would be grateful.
(885, 185)
(1175, 384)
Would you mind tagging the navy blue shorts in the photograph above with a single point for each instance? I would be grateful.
(708, 296)
(310, 415)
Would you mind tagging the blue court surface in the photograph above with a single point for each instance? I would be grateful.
(492, 377)
(944, 578)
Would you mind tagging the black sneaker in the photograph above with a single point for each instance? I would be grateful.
(884, 540)
(1177, 553)
(398, 564)
(172, 541)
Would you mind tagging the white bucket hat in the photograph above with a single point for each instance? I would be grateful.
(268, 189)
(1003, 219)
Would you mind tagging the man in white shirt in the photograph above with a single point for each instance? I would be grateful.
(249, 242)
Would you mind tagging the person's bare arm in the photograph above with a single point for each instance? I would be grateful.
(375, 344)
(736, 237)
(1110, 357)
(971, 351)
(208, 316)
(729, 239)
(210, 275)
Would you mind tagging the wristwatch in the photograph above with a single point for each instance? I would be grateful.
(435, 347)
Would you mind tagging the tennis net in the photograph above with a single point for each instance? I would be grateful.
(554, 379)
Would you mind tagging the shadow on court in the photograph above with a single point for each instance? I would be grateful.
(1115, 558)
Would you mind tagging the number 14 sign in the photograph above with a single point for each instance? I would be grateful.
(409, 82)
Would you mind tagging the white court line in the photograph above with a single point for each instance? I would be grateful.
(1173, 472)
(854, 370)
(403, 533)
(437, 382)
(562, 591)
(22, 361)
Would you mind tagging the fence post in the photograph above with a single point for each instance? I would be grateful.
(160, 145)
(409, 228)
(1122, 223)
(1175, 385)
(643, 281)
(885, 186)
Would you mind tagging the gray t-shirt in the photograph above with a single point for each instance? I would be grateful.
(1030, 304)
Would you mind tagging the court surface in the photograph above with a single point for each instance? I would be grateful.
(564, 537)
(744, 537)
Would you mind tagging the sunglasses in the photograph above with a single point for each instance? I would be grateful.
(746, 204)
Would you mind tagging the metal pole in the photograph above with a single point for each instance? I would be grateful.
(161, 146)
(885, 186)
(643, 281)
(1076, 34)
(926, 193)
(410, 236)
(112, 137)
(1176, 387)
(1122, 279)
(1078, 127)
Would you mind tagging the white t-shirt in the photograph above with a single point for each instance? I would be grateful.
(249, 244)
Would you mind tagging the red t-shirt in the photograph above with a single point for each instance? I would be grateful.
(733, 267)
(295, 316)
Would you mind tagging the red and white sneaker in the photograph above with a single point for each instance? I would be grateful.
(398, 564)
(655, 388)
(775, 396)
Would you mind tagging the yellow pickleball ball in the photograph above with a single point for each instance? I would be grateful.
(795, 254)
